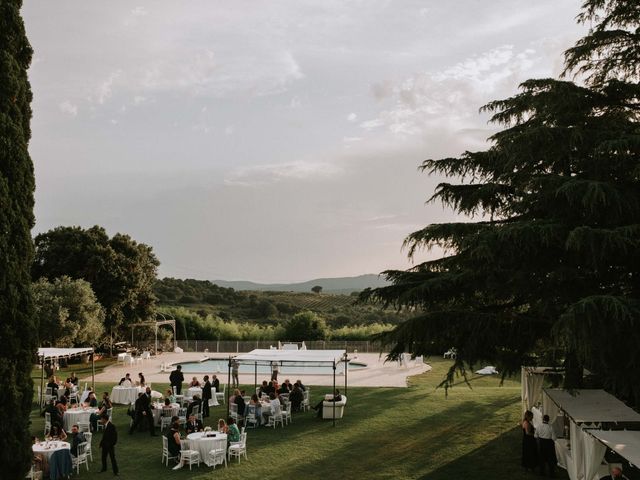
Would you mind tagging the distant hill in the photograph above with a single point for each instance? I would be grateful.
(344, 285)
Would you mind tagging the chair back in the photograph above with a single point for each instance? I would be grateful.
(165, 444)
(88, 436)
(110, 412)
(195, 410)
(82, 450)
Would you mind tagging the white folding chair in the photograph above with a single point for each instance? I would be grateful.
(188, 456)
(84, 426)
(195, 411)
(80, 458)
(217, 455)
(166, 456)
(165, 420)
(286, 413)
(182, 415)
(220, 396)
(276, 416)
(250, 416)
(88, 437)
(239, 449)
(47, 423)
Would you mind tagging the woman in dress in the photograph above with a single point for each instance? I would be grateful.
(222, 426)
(255, 401)
(141, 381)
(529, 445)
(194, 382)
(173, 443)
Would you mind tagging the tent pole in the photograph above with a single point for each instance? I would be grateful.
(255, 376)
(42, 384)
(334, 392)
(346, 370)
(93, 370)
(156, 352)
(228, 385)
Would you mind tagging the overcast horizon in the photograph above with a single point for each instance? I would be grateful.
(273, 143)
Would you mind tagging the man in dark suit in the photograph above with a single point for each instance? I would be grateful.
(108, 444)
(206, 396)
(176, 378)
(193, 425)
(195, 403)
(143, 412)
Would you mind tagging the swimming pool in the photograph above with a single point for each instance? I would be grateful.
(220, 365)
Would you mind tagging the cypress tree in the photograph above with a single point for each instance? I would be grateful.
(549, 271)
(17, 335)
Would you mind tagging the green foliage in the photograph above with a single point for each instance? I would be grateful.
(306, 326)
(553, 264)
(316, 289)
(121, 271)
(67, 313)
(17, 335)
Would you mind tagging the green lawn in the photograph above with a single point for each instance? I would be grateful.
(394, 433)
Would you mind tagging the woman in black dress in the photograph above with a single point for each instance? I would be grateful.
(529, 444)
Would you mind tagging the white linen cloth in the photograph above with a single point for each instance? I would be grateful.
(202, 443)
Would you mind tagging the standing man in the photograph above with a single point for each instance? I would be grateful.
(143, 412)
(206, 396)
(274, 371)
(546, 446)
(108, 444)
(215, 383)
(176, 378)
(235, 366)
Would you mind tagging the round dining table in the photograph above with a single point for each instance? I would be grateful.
(47, 448)
(125, 395)
(192, 391)
(204, 442)
(73, 416)
(158, 409)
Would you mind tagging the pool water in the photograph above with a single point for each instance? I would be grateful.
(213, 365)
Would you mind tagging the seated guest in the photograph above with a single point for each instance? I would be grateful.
(239, 401)
(197, 402)
(271, 388)
(255, 402)
(263, 390)
(173, 442)
(127, 381)
(61, 407)
(336, 398)
(222, 426)
(53, 385)
(57, 433)
(104, 406)
(616, 474)
(215, 383)
(194, 382)
(302, 387)
(233, 434)
(170, 396)
(296, 397)
(193, 425)
(141, 381)
(73, 379)
(286, 387)
(77, 437)
(91, 400)
(54, 413)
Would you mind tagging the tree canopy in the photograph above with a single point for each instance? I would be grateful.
(120, 270)
(306, 326)
(17, 335)
(67, 313)
(549, 271)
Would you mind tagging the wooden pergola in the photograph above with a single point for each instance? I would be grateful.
(156, 324)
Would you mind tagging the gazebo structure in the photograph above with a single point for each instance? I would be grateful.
(155, 324)
(309, 358)
(50, 354)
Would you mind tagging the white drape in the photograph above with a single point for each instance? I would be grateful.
(531, 388)
(593, 452)
(551, 409)
(575, 464)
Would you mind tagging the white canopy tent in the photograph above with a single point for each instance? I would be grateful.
(532, 382)
(588, 409)
(54, 353)
(283, 357)
(624, 443)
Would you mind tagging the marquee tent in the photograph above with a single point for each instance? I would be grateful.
(587, 408)
(49, 354)
(283, 357)
(532, 381)
(624, 443)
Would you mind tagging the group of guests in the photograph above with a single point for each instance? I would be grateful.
(126, 381)
(57, 409)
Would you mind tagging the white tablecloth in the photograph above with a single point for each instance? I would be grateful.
(203, 444)
(76, 415)
(193, 391)
(124, 395)
(47, 448)
(157, 411)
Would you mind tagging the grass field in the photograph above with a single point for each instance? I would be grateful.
(387, 433)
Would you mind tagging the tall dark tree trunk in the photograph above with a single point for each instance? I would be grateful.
(17, 332)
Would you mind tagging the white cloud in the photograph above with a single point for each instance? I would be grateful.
(230, 130)
(139, 100)
(105, 89)
(266, 174)
(68, 108)
(352, 117)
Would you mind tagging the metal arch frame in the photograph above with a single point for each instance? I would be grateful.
(332, 363)
(156, 324)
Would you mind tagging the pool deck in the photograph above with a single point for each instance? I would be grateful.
(378, 373)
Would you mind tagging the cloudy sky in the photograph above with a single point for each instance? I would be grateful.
(270, 141)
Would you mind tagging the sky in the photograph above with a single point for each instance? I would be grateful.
(271, 141)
